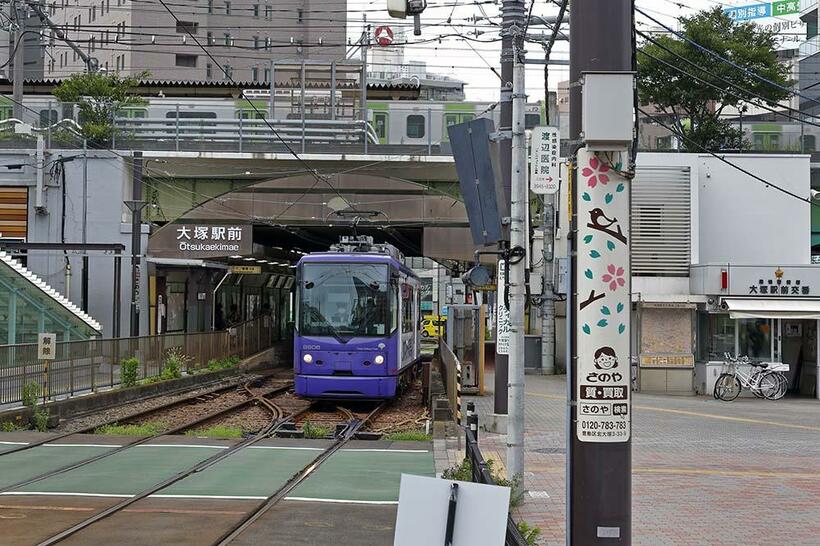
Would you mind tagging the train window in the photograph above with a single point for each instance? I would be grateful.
(251, 114)
(415, 126)
(5, 112)
(807, 143)
(407, 299)
(532, 120)
(195, 114)
(343, 300)
(48, 117)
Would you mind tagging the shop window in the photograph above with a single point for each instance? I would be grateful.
(755, 339)
(716, 336)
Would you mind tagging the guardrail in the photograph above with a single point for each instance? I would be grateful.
(88, 365)
(242, 132)
(451, 376)
(481, 474)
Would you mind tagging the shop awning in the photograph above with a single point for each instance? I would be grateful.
(773, 308)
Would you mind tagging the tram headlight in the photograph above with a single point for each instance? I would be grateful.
(308, 358)
(379, 359)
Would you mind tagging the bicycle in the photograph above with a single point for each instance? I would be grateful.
(761, 381)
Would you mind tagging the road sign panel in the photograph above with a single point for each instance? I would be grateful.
(545, 166)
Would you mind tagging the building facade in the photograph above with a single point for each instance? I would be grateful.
(243, 36)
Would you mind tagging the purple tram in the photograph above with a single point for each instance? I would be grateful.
(357, 316)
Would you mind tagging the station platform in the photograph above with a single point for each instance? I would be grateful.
(352, 497)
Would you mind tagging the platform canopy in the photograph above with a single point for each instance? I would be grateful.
(773, 308)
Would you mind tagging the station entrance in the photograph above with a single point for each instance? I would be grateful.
(231, 259)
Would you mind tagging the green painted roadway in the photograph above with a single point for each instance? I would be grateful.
(369, 475)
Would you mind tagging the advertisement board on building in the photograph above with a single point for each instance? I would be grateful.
(201, 241)
(781, 17)
(603, 304)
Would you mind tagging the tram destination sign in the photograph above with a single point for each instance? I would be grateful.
(201, 241)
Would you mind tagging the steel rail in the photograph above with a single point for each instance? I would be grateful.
(273, 499)
(217, 389)
(276, 423)
(140, 441)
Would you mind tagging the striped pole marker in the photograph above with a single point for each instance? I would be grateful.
(458, 392)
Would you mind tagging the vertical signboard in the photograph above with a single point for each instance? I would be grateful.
(545, 147)
(46, 346)
(603, 301)
(502, 313)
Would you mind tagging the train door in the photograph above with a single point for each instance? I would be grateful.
(381, 124)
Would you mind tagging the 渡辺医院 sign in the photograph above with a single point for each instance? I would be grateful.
(545, 166)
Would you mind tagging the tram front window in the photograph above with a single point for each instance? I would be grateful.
(343, 300)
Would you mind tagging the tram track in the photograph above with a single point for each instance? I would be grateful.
(342, 438)
(219, 388)
(258, 397)
(278, 419)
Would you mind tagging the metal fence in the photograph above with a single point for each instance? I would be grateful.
(481, 474)
(451, 376)
(85, 366)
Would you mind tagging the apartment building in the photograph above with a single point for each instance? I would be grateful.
(241, 36)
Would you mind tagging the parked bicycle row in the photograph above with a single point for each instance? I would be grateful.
(763, 379)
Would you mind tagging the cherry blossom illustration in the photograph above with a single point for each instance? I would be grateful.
(614, 276)
(595, 173)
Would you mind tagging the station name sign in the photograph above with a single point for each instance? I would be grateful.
(201, 241)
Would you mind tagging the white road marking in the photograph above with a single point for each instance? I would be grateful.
(368, 450)
(218, 497)
(184, 445)
(341, 501)
(14, 443)
(295, 448)
(81, 445)
(65, 494)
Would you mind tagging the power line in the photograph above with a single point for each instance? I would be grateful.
(725, 80)
(702, 148)
(730, 62)
(313, 171)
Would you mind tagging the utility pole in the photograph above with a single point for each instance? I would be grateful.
(19, 45)
(85, 226)
(519, 210)
(548, 224)
(513, 16)
(135, 205)
(599, 446)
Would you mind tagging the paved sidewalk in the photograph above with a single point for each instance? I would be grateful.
(704, 471)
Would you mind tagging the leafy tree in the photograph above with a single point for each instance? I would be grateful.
(99, 96)
(694, 107)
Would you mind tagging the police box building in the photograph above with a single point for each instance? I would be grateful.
(721, 263)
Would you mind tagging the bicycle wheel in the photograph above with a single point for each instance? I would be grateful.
(768, 385)
(755, 385)
(781, 385)
(727, 387)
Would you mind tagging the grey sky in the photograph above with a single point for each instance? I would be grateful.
(469, 61)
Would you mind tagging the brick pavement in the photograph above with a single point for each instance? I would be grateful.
(704, 471)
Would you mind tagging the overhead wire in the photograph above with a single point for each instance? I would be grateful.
(721, 158)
